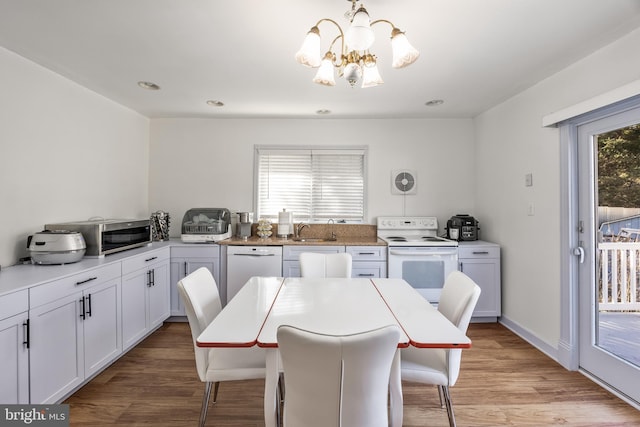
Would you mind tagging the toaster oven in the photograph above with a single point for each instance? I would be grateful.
(107, 236)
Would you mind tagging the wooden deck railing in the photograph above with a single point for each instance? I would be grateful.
(619, 275)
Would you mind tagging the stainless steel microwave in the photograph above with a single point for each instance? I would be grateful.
(107, 236)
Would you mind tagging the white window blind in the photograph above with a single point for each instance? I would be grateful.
(315, 184)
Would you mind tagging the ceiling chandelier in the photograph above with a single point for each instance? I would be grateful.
(354, 61)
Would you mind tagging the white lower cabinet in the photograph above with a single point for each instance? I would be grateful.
(481, 261)
(145, 294)
(14, 348)
(368, 261)
(187, 259)
(74, 331)
(56, 335)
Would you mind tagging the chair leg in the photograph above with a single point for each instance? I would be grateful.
(215, 391)
(280, 401)
(447, 400)
(205, 402)
(281, 387)
(440, 396)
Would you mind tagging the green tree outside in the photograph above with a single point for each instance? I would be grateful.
(619, 168)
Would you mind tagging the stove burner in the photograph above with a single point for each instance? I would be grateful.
(408, 232)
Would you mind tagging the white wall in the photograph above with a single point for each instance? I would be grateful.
(209, 162)
(511, 142)
(66, 154)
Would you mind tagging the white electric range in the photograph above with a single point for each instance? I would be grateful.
(417, 254)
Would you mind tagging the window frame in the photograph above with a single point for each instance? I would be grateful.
(302, 148)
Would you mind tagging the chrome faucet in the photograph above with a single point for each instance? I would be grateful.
(333, 233)
(299, 228)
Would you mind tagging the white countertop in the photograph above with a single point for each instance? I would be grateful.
(24, 276)
(476, 243)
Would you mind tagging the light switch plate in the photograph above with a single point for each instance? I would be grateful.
(528, 180)
(531, 209)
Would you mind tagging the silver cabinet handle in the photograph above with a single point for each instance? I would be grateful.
(254, 254)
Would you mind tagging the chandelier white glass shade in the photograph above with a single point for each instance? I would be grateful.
(354, 61)
(324, 76)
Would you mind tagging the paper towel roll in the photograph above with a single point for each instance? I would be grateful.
(285, 223)
(283, 229)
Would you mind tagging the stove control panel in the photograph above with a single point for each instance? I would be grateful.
(407, 223)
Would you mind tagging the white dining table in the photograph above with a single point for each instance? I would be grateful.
(328, 306)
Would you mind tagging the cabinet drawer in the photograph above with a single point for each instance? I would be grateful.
(479, 252)
(204, 251)
(366, 269)
(14, 303)
(138, 262)
(292, 253)
(60, 288)
(367, 253)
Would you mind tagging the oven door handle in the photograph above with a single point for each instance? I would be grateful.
(410, 253)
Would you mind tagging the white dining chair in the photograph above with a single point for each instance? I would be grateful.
(316, 265)
(437, 366)
(201, 300)
(335, 381)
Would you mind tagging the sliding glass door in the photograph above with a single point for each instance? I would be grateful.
(609, 249)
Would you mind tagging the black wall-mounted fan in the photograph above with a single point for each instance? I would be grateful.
(403, 182)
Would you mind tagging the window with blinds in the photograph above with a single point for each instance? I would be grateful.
(315, 184)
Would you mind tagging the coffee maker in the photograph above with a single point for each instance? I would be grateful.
(244, 225)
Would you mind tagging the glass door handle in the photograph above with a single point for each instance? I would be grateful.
(579, 251)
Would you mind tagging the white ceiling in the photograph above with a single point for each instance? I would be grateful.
(474, 53)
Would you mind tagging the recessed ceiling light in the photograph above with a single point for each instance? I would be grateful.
(148, 85)
(215, 103)
(434, 103)
(324, 111)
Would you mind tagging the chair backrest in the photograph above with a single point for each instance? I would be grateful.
(334, 381)
(457, 301)
(201, 299)
(314, 264)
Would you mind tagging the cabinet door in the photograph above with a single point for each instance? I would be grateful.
(486, 273)
(102, 331)
(291, 269)
(134, 307)
(182, 267)
(14, 359)
(158, 295)
(56, 349)
(177, 270)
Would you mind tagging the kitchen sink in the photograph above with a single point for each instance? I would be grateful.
(313, 239)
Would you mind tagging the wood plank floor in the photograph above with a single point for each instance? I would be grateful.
(504, 382)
